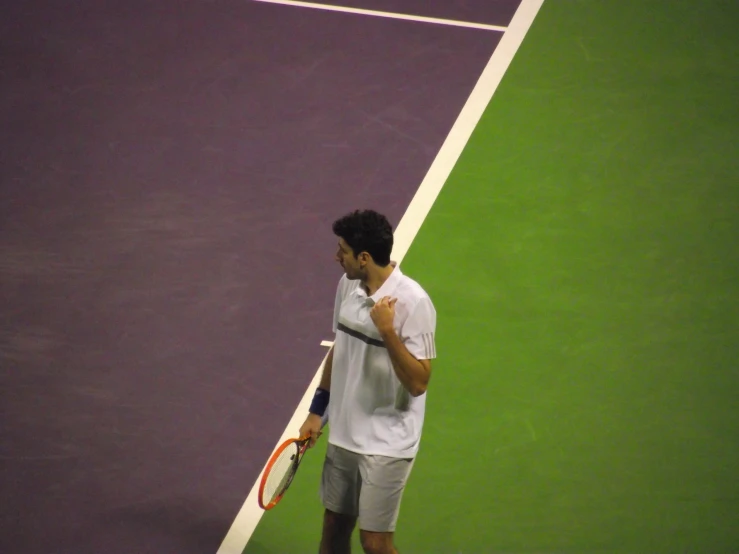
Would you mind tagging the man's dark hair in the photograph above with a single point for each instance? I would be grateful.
(367, 231)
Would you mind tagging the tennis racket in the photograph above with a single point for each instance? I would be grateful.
(281, 469)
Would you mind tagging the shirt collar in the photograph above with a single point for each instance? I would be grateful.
(387, 288)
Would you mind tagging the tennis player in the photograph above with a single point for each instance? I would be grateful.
(376, 376)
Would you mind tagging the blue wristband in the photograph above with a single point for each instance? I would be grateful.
(320, 402)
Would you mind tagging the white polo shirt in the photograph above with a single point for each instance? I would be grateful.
(370, 412)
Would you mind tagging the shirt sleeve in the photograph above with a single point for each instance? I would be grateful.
(419, 330)
(337, 303)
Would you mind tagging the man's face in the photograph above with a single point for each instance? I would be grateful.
(352, 266)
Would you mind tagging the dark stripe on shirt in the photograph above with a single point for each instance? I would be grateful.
(360, 336)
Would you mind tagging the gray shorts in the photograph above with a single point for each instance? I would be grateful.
(367, 487)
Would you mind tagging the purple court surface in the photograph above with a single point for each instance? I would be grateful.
(169, 173)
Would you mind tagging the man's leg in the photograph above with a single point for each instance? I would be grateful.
(340, 484)
(377, 543)
(383, 483)
(337, 533)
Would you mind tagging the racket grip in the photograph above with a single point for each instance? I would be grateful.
(324, 419)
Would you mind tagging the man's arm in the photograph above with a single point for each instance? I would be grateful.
(412, 373)
(319, 405)
(312, 425)
(326, 375)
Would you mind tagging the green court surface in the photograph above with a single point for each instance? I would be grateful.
(584, 261)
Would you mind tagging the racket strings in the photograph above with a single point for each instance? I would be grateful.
(282, 471)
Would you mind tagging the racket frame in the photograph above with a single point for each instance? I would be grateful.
(302, 448)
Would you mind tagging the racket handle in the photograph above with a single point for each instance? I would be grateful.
(324, 419)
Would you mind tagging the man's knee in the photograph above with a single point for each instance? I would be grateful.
(377, 543)
(338, 525)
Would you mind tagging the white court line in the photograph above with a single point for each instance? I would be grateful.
(250, 513)
(391, 15)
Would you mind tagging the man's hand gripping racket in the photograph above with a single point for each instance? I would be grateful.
(283, 465)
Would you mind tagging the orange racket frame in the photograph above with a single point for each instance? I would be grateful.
(302, 447)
